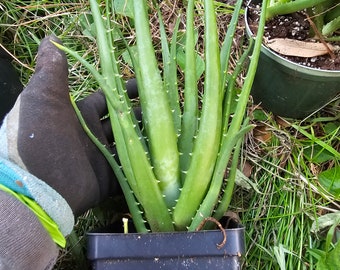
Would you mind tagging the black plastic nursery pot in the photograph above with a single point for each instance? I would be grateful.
(175, 250)
(289, 89)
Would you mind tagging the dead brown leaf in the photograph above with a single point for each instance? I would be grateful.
(262, 133)
(292, 47)
(247, 169)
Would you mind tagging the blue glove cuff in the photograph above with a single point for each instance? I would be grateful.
(10, 179)
(22, 182)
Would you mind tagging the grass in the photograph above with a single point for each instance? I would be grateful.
(280, 197)
(279, 213)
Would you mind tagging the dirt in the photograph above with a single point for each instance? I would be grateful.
(294, 26)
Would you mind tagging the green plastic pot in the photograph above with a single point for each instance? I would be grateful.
(289, 89)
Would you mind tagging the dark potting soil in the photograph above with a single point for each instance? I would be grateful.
(294, 26)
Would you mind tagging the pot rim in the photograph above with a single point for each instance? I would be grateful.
(93, 233)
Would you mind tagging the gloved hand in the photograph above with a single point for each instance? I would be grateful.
(55, 162)
(45, 137)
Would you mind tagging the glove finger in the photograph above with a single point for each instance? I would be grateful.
(132, 89)
(107, 130)
(93, 108)
(51, 72)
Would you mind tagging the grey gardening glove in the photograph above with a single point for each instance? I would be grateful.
(45, 137)
(46, 155)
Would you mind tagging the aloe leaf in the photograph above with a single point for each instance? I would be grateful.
(223, 204)
(209, 202)
(331, 27)
(151, 199)
(207, 142)
(290, 7)
(229, 139)
(130, 198)
(248, 82)
(171, 83)
(228, 40)
(122, 94)
(114, 98)
(229, 98)
(144, 182)
(146, 188)
(170, 71)
(190, 114)
(157, 116)
(104, 47)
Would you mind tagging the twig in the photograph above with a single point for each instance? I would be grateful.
(317, 32)
(200, 226)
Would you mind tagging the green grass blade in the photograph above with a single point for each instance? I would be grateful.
(324, 145)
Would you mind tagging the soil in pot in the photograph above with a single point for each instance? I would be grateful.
(294, 26)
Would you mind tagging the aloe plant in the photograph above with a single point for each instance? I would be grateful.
(173, 171)
(324, 13)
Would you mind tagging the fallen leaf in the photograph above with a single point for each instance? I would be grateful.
(325, 221)
(247, 169)
(283, 123)
(292, 47)
(262, 133)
